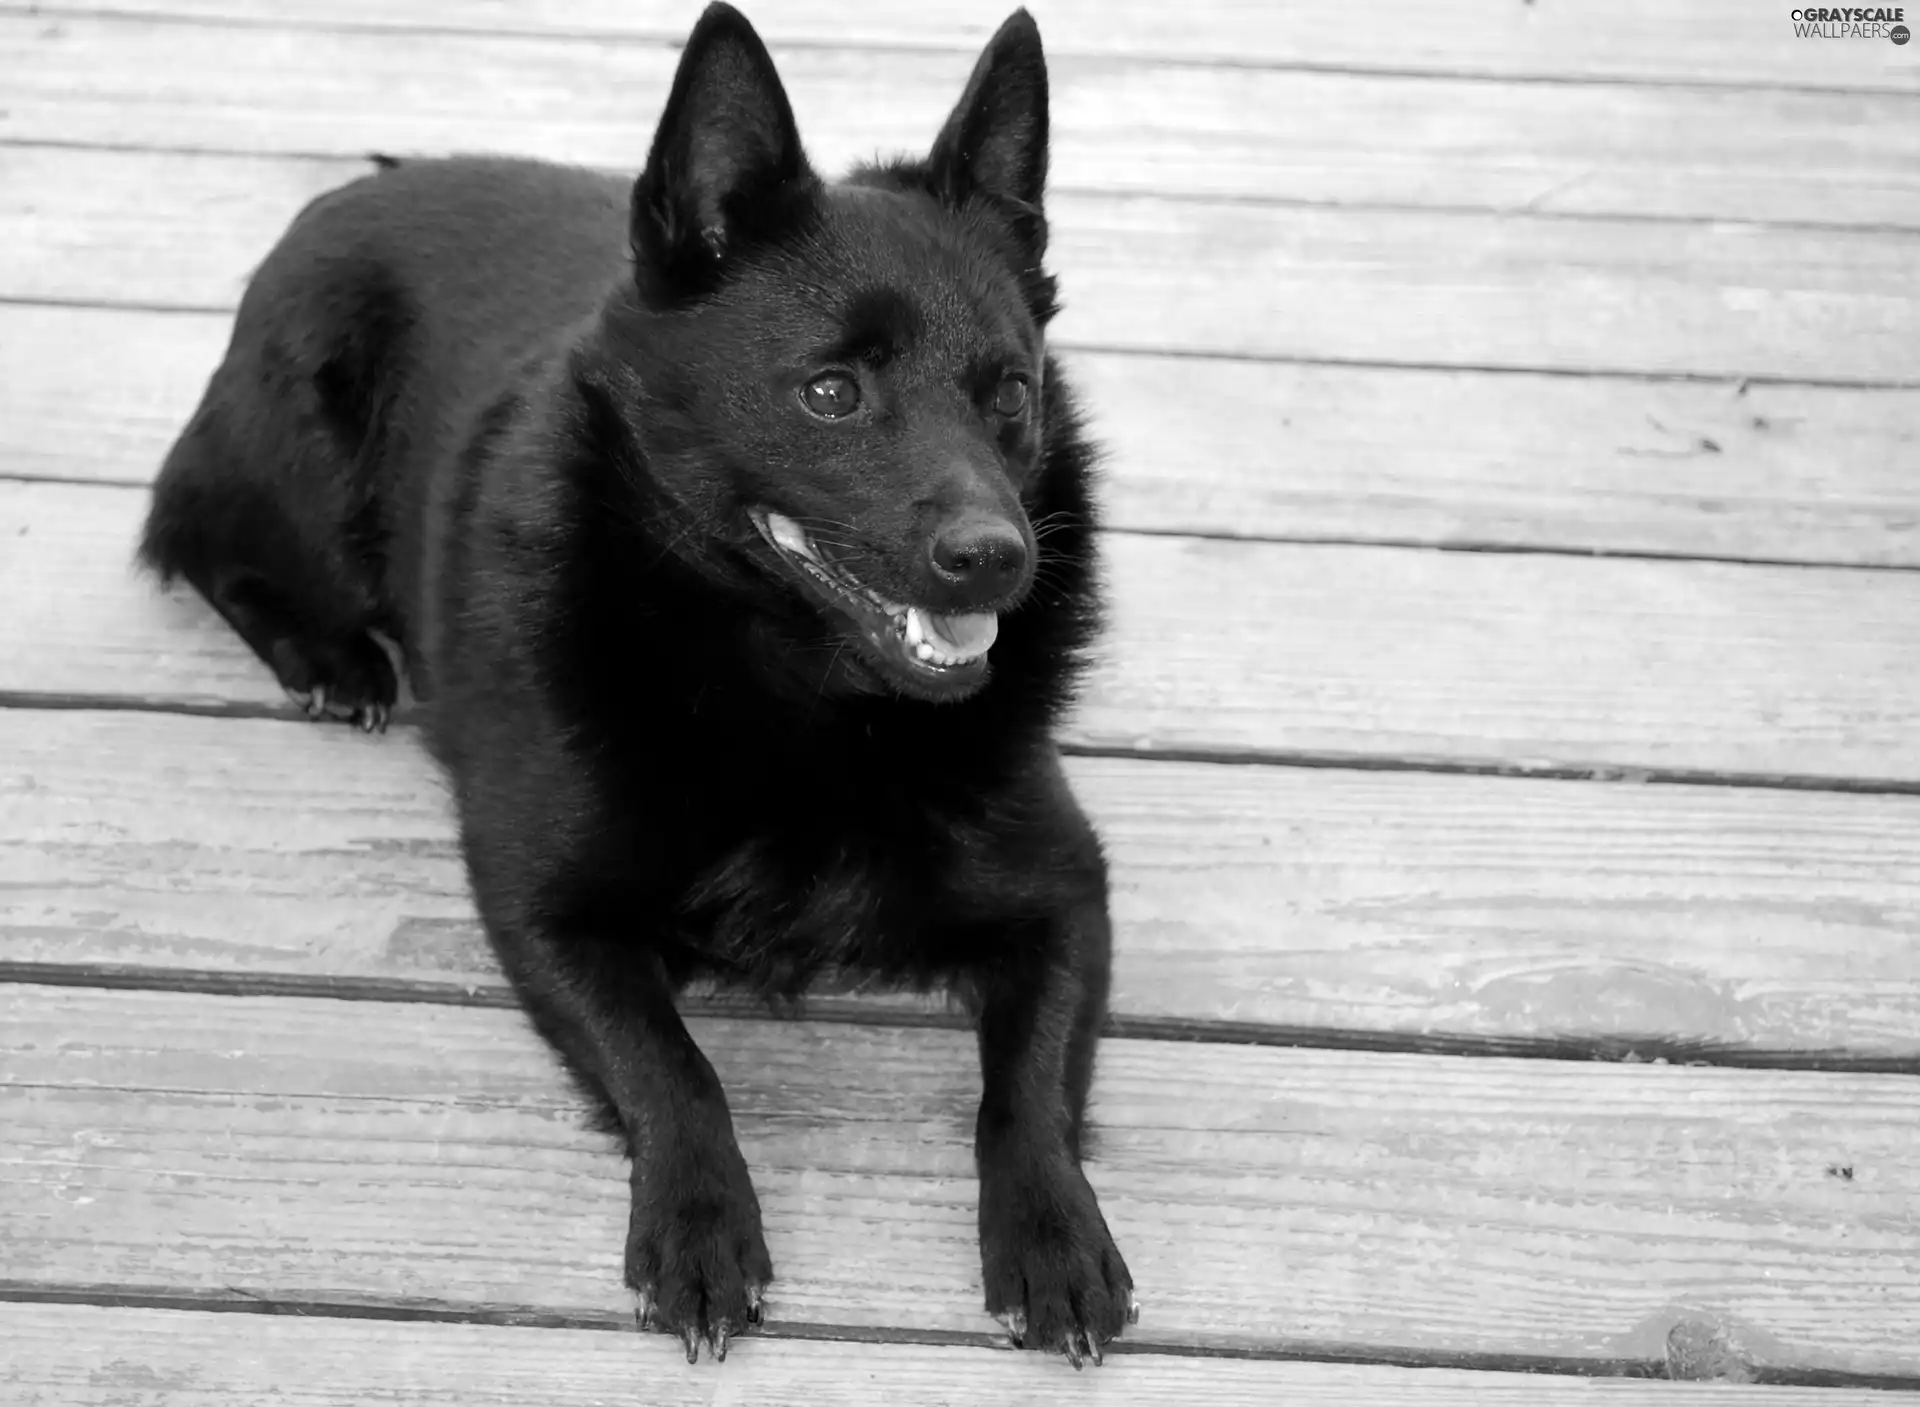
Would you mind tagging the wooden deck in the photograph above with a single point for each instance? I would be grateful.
(1508, 741)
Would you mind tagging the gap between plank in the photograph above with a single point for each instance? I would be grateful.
(1487, 547)
(1466, 767)
(28, 700)
(1736, 379)
(831, 1009)
(1170, 196)
(233, 1300)
(677, 40)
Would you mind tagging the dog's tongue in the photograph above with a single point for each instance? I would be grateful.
(965, 636)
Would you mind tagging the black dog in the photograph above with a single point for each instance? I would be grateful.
(735, 530)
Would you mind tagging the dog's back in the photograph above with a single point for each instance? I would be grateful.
(363, 349)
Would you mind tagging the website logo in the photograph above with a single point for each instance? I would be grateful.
(1851, 22)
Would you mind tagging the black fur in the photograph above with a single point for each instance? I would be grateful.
(526, 424)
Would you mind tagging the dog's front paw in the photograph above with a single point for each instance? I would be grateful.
(695, 1254)
(1053, 1275)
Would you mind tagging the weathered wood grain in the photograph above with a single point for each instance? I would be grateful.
(1253, 449)
(83, 1356)
(1118, 125)
(1709, 41)
(1386, 903)
(1400, 286)
(355, 1150)
(81, 225)
(1368, 652)
(1235, 647)
(99, 393)
(1780, 472)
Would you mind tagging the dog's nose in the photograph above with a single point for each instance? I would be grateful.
(979, 558)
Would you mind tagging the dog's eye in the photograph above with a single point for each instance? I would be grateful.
(831, 397)
(1011, 398)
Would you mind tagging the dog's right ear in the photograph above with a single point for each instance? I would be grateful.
(726, 170)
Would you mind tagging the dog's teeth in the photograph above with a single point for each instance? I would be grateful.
(916, 633)
(790, 535)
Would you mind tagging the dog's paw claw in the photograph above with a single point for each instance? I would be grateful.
(348, 679)
(1133, 1308)
(690, 1336)
(1053, 1276)
(756, 1312)
(1014, 1321)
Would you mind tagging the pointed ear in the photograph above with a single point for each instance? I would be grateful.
(726, 170)
(994, 146)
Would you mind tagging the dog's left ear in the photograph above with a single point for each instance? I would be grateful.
(994, 146)
(726, 170)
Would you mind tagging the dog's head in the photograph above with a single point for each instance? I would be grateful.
(846, 382)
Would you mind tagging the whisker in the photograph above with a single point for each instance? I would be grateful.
(810, 523)
(826, 676)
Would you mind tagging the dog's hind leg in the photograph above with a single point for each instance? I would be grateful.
(330, 673)
(262, 522)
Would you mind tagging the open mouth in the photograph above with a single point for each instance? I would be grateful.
(925, 651)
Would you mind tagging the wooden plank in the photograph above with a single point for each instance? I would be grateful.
(84, 1356)
(79, 225)
(1707, 41)
(1401, 904)
(1404, 286)
(100, 393)
(1465, 657)
(1265, 449)
(1230, 648)
(1119, 125)
(1253, 449)
(375, 1152)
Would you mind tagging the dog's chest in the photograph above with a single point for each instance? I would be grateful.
(782, 907)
